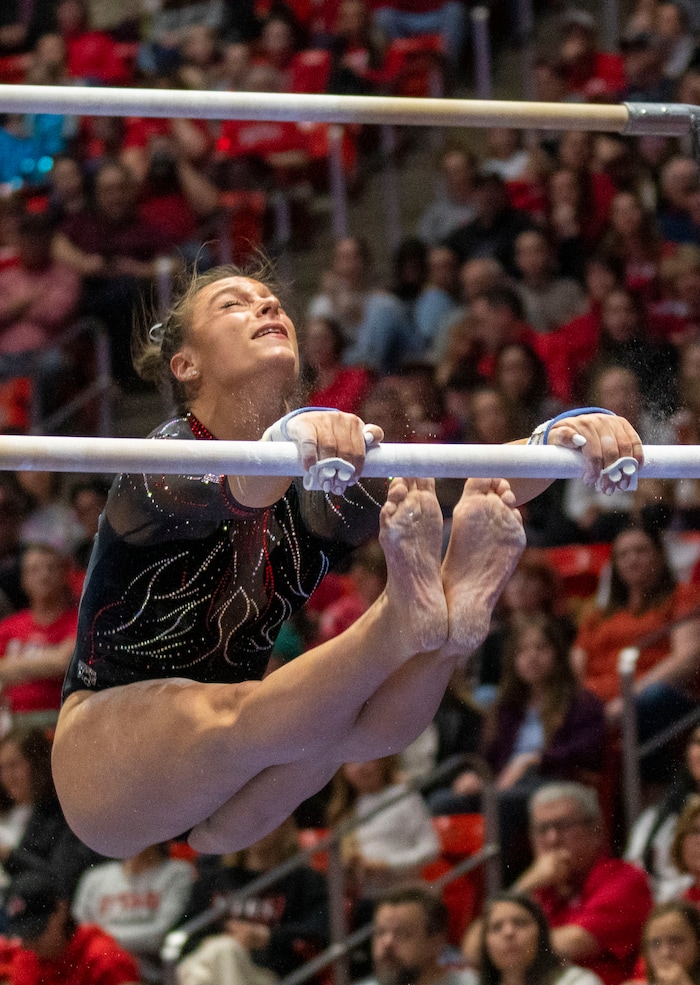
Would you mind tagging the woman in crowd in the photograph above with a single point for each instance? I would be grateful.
(633, 238)
(192, 577)
(521, 377)
(652, 835)
(533, 590)
(686, 424)
(516, 948)
(643, 598)
(543, 726)
(387, 847)
(671, 944)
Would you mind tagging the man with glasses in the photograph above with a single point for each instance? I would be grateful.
(595, 905)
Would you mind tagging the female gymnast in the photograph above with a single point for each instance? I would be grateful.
(167, 723)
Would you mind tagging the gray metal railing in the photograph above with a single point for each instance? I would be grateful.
(341, 942)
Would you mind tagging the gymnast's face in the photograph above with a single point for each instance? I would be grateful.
(239, 333)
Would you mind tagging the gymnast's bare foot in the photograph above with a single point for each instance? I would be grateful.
(486, 540)
(411, 537)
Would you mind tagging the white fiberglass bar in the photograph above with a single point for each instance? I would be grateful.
(67, 454)
(674, 119)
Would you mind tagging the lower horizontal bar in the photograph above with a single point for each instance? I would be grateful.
(70, 454)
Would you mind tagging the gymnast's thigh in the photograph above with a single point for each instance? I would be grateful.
(144, 762)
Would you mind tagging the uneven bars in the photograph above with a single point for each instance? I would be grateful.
(663, 119)
(69, 454)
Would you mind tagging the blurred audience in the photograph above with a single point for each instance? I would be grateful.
(387, 847)
(267, 935)
(37, 643)
(595, 905)
(516, 947)
(409, 940)
(652, 834)
(137, 901)
(671, 945)
(46, 845)
(46, 944)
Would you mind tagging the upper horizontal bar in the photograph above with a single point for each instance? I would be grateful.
(69, 454)
(669, 119)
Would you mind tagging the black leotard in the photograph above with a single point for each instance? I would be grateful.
(185, 582)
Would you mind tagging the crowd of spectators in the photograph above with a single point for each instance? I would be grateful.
(543, 271)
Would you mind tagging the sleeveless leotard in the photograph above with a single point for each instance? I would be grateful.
(185, 582)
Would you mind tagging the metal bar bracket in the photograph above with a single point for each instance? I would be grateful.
(662, 119)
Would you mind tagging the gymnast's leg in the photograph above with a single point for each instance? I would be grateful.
(143, 762)
(486, 541)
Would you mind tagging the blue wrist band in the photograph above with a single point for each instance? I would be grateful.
(278, 430)
(577, 412)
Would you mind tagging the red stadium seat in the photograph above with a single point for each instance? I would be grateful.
(579, 566)
(461, 835)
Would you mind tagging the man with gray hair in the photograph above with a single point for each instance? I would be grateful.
(595, 905)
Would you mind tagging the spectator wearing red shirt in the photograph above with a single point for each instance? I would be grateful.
(596, 189)
(39, 297)
(176, 197)
(596, 906)
(634, 240)
(115, 251)
(280, 147)
(572, 347)
(37, 642)
(591, 75)
(191, 138)
(92, 55)
(54, 950)
(331, 383)
(498, 320)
